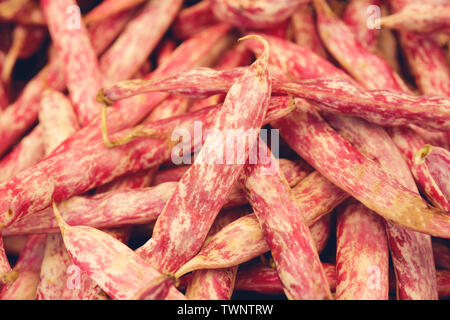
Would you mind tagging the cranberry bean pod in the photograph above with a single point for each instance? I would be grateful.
(57, 119)
(383, 107)
(103, 33)
(441, 253)
(409, 144)
(21, 11)
(305, 31)
(223, 250)
(112, 163)
(169, 251)
(356, 16)
(135, 44)
(27, 153)
(254, 14)
(109, 262)
(107, 210)
(202, 51)
(28, 270)
(438, 162)
(71, 38)
(414, 254)
(212, 284)
(215, 284)
(53, 270)
(345, 47)
(389, 199)
(24, 111)
(109, 8)
(289, 240)
(419, 18)
(425, 57)
(362, 258)
(193, 20)
(263, 279)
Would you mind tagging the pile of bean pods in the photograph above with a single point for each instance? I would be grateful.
(110, 190)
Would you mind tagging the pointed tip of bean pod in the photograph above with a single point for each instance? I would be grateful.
(149, 291)
(422, 154)
(62, 224)
(258, 38)
(185, 269)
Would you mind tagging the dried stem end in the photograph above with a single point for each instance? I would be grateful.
(422, 154)
(101, 98)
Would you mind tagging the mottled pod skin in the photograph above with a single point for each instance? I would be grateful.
(24, 111)
(420, 18)
(71, 38)
(263, 279)
(123, 59)
(209, 44)
(4, 263)
(137, 155)
(260, 278)
(425, 57)
(103, 33)
(110, 8)
(237, 56)
(409, 145)
(58, 121)
(212, 284)
(367, 182)
(53, 270)
(413, 259)
(243, 239)
(305, 31)
(109, 262)
(193, 20)
(254, 14)
(28, 268)
(438, 162)
(57, 118)
(348, 50)
(362, 257)
(289, 240)
(158, 289)
(188, 210)
(355, 15)
(383, 107)
(215, 284)
(411, 251)
(28, 152)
